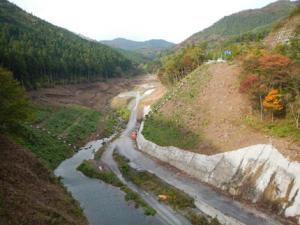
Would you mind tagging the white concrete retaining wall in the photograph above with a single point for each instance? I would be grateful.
(260, 172)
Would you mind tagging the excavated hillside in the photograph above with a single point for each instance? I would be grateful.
(285, 30)
(209, 105)
(29, 193)
(206, 118)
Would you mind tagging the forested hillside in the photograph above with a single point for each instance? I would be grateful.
(40, 53)
(149, 49)
(135, 57)
(238, 33)
(244, 21)
(134, 45)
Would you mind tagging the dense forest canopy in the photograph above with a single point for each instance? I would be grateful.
(40, 53)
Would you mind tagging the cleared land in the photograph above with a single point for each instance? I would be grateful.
(97, 95)
(210, 107)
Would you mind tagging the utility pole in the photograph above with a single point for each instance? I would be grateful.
(261, 108)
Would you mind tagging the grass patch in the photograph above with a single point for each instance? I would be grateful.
(87, 125)
(164, 132)
(172, 126)
(73, 123)
(62, 118)
(197, 219)
(46, 147)
(151, 183)
(107, 176)
(120, 102)
(279, 128)
(177, 199)
(108, 125)
(110, 178)
(57, 129)
(133, 196)
(123, 113)
(99, 153)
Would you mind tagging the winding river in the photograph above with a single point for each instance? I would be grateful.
(102, 204)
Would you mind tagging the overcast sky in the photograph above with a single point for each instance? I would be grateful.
(172, 20)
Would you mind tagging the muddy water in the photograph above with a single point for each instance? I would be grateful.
(102, 203)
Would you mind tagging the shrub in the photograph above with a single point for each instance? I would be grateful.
(124, 113)
(272, 62)
(248, 83)
(15, 105)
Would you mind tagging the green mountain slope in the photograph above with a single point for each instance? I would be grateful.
(149, 48)
(137, 58)
(39, 52)
(243, 21)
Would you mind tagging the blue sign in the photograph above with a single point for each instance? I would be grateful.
(227, 52)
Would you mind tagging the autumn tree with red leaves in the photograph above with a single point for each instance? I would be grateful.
(274, 62)
(275, 69)
(248, 83)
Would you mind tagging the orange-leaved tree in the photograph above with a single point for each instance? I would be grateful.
(273, 102)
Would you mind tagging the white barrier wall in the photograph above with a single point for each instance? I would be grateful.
(258, 172)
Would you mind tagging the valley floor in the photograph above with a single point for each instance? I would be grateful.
(96, 95)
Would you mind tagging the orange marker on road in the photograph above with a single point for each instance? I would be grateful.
(133, 135)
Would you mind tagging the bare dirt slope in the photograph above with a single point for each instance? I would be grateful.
(96, 95)
(226, 110)
(218, 113)
(285, 31)
(29, 194)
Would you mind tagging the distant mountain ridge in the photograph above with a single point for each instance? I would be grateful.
(148, 48)
(127, 44)
(244, 21)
